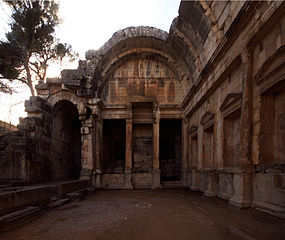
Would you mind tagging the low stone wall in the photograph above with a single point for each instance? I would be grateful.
(71, 186)
(26, 197)
(112, 181)
(142, 180)
(38, 195)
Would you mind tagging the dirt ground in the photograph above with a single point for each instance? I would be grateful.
(150, 214)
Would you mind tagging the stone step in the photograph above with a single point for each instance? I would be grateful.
(75, 196)
(58, 202)
(172, 184)
(11, 189)
(18, 218)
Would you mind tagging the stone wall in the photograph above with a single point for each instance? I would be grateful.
(142, 78)
(241, 92)
(25, 153)
(32, 153)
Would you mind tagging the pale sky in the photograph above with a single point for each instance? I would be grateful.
(88, 24)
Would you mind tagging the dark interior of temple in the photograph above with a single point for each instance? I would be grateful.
(170, 149)
(114, 139)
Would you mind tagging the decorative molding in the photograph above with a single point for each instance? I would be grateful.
(208, 117)
(271, 66)
(193, 129)
(231, 103)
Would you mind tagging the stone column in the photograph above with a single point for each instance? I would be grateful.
(243, 178)
(156, 170)
(128, 157)
(185, 148)
(87, 156)
(87, 144)
(98, 160)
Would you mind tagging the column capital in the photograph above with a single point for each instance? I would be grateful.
(156, 120)
(186, 120)
(246, 55)
(129, 120)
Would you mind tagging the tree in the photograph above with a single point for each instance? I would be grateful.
(31, 44)
(8, 67)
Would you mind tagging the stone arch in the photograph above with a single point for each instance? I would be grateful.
(215, 25)
(66, 141)
(121, 35)
(135, 40)
(63, 95)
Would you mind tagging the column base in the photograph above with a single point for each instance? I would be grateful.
(195, 186)
(128, 179)
(242, 193)
(212, 185)
(98, 182)
(184, 177)
(156, 179)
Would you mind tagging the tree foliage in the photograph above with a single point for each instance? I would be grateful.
(31, 44)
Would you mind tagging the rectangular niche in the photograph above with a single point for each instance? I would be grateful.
(207, 121)
(231, 110)
(142, 148)
(208, 147)
(272, 117)
(114, 142)
(232, 139)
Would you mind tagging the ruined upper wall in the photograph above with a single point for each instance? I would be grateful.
(194, 40)
(6, 127)
(198, 31)
(123, 34)
(83, 78)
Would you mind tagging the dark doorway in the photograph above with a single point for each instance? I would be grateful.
(66, 142)
(114, 142)
(170, 149)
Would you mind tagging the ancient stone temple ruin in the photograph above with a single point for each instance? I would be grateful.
(202, 106)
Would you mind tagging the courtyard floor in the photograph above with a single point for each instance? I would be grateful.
(149, 214)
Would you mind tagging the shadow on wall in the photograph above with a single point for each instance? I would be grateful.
(66, 142)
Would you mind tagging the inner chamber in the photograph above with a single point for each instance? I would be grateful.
(170, 149)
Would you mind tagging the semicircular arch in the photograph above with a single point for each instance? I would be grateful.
(63, 95)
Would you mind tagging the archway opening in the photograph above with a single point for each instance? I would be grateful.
(66, 142)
